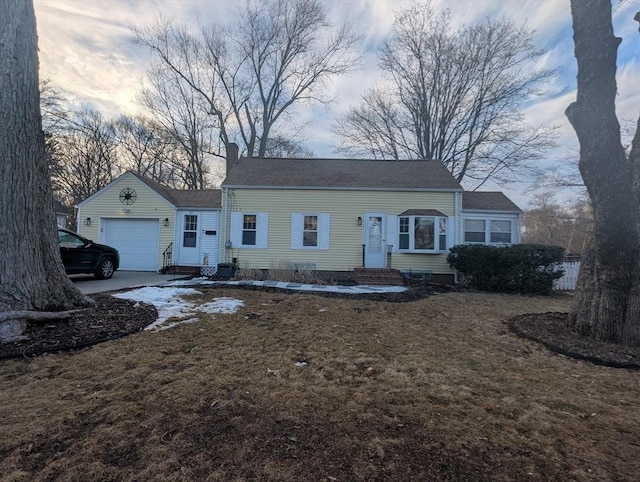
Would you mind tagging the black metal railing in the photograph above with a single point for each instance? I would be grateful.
(167, 257)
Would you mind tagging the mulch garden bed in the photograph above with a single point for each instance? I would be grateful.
(108, 319)
(554, 332)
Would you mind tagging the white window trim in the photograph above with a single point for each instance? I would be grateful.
(487, 229)
(436, 235)
(185, 230)
(297, 231)
(236, 228)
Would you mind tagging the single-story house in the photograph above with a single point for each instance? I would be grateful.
(326, 215)
(335, 215)
(153, 226)
(63, 214)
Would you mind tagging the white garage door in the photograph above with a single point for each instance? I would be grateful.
(135, 239)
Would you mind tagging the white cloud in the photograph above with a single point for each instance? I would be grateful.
(86, 48)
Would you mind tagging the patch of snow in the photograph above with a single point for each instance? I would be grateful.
(170, 304)
(358, 289)
(166, 326)
(221, 305)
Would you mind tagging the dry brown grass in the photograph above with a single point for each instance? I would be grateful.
(436, 389)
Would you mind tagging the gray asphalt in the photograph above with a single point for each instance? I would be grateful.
(120, 280)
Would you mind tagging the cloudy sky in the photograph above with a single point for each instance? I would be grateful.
(86, 48)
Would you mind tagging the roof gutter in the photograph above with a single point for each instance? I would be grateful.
(333, 188)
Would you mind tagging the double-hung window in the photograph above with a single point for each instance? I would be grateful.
(488, 231)
(422, 233)
(474, 231)
(309, 231)
(249, 230)
(500, 231)
(190, 232)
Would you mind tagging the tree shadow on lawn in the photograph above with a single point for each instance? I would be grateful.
(112, 318)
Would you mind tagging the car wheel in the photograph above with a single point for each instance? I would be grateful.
(105, 269)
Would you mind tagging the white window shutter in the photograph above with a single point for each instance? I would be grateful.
(263, 230)
(297, 227)
(392, 232)
(323, 231)
(235, 234)
(451, 232)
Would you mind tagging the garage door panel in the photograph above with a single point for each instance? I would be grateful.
(136, 240)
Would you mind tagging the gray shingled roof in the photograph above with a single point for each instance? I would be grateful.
(186, 198)
(422, 212)
(201, 198)
(340, 174)
(488, 201)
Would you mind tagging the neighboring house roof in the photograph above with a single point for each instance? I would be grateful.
(488, 201)
(259, 172)
(61, 208)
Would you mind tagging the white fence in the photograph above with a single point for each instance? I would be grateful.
(568, 281)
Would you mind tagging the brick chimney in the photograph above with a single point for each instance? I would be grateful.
(232, 155)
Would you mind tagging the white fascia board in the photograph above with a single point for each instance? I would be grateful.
(329, 188)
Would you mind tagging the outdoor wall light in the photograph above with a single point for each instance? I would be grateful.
(359, 220)
(165, 222)
(87, 221)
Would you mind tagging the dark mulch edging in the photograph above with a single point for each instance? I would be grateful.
(108, 319)
(553, 331)
(413, 293)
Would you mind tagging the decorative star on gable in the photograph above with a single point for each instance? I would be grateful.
(128, 196)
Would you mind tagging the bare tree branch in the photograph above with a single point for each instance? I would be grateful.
(279, 55)
(455, 95)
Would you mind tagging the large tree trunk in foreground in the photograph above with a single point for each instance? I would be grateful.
(607, 300)
(31, 274)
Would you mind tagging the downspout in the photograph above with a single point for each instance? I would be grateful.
(231, 159)
(456, 205)
(225, 208)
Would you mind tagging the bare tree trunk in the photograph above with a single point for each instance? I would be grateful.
(32, 276)
(607, 301)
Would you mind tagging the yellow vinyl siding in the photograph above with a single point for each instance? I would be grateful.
(345, 235)
(148, 205)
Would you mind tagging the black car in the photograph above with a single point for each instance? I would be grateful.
(81, 255)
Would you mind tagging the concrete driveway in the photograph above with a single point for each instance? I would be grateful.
(86, 283)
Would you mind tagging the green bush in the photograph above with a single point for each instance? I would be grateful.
(519, 268)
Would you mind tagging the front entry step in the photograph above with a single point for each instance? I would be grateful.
(378, 276)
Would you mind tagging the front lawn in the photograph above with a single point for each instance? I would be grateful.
(296, 386)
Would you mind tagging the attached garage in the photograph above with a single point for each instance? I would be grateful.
(154, 227)
(136, 240)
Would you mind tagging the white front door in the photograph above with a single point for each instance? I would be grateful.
(375, 244)
(189, 240)
(209, 238)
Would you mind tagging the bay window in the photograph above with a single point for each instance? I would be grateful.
(422, 233)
